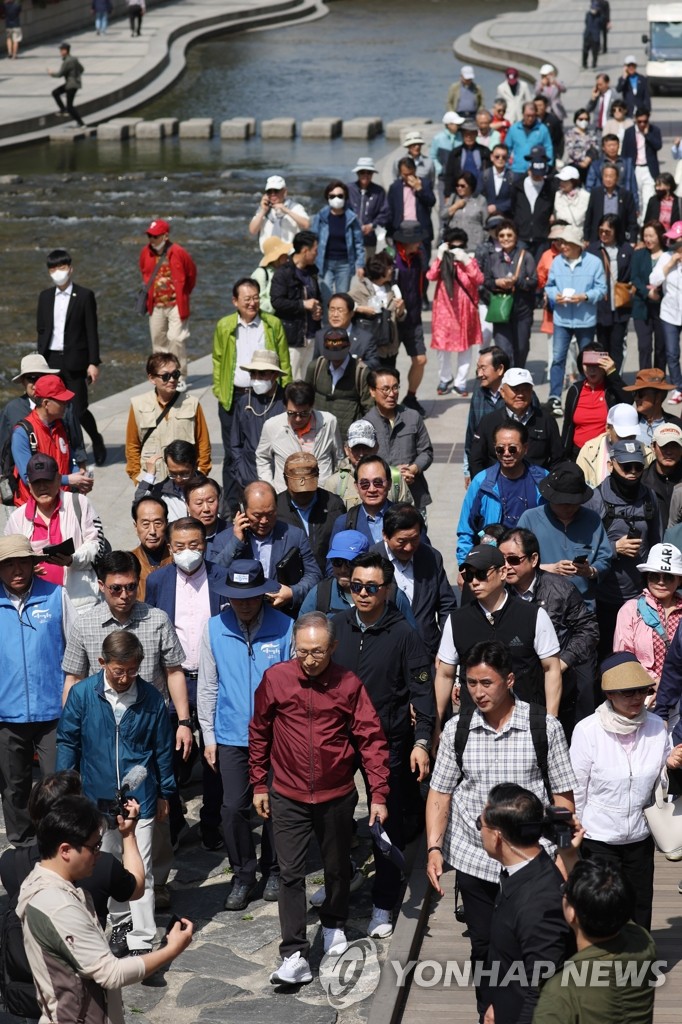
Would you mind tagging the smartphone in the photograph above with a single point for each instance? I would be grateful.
(172, 923)
(593, 358)
(634, 534)
(580, 560)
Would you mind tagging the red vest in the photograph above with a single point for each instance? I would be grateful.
(52, 440)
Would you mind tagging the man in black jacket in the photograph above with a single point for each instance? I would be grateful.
(520, 404)
(665, 472)
(470, 156)
(419, 572)
(528, 929)
(576, 627)
(532, 222)
(646, 163)
(497, 183)
(376, 643)
(368, 202)
(308, 506)
(67, 335)
(297, 301)
(634, 87)
(610, 197)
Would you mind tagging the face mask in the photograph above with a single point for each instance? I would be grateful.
(260, 387)
(158, 246)
(188, 560)
(582, 124)
(661, 193)
(60, 277)
(337, 203)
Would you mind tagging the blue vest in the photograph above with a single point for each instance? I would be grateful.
(31, 677)
(240, 670)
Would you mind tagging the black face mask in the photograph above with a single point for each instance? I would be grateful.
(623, 487)
(661, 193)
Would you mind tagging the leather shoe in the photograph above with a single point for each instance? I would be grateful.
(99, 451)
(240, 896)
(271, 890)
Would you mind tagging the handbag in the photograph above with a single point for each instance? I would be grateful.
(501, 303)
(143, 292)
(664, 818)
(290, 570)
(624, 293)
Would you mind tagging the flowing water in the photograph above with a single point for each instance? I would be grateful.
(392, 58)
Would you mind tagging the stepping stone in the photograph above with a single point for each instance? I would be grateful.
(362, 127)
(278, 128)
(321, 128)
(394, 129)
(170, 125)
(196, 128)
(234, 129)
(149, 130)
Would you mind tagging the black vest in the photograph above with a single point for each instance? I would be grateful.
(514, 626)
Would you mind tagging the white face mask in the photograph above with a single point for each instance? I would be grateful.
(60, 277)
(158, 246)
(582, 123)
(188, 560)
(337, 202)
(260, 387)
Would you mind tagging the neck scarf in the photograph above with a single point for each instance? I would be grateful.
(611, 721)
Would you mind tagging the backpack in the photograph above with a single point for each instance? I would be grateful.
(538, 732)
(17, 991)
(8, 481)
(324, 595)
(360, 367)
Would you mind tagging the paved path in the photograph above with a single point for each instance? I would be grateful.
(120, 72)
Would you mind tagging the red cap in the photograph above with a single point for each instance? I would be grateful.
(52, 387)
(512, 75)
(158, 227)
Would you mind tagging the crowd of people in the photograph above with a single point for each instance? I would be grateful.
(292, 623)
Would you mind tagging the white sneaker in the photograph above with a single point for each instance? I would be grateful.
(294, 970)
(380, 925)
(357, 880)
(334, 941)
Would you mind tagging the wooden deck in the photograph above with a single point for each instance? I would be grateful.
(443, 940)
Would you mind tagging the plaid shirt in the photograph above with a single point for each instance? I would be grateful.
(491, 757)
(152, 627)
(482, 403)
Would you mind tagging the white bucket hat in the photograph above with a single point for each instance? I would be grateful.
(663, 558)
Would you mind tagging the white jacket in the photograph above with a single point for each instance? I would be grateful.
(573, 211)
(671, 303)
(278, 441)
(612, 790)
(80, 577)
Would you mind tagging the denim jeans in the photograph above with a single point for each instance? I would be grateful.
(562, 339)
(671, 336)
(336, 277)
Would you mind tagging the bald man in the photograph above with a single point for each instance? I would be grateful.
(283, 550)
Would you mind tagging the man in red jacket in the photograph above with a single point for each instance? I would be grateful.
(169, 274)
(305, 712)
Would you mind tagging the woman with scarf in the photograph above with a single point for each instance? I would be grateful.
(618, 755)
(646, 625)
(455, 325)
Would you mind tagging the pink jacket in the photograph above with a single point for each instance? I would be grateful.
(632, 634)
(455, 324)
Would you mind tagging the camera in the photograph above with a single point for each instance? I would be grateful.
(558, 827)
(111, 807)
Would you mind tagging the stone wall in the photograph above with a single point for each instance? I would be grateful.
(42, 19)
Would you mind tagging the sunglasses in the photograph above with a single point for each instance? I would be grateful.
(631, 467)
(515, 559)
(639, 691)
(118, 588)
(371, 588)
(377, 483)
(469, 574)
(295, 415)
(660, 577)
(33, 377)
(480, 825)
(500, 449)
(339, 563)
(336, 195)
(165, 377)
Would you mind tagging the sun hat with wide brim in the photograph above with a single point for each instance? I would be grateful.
(273, 248)
(622, 671)
(16, 546)
(245, 578)
(565, 485)
(263, 359)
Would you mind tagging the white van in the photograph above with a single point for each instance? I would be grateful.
(664, 50)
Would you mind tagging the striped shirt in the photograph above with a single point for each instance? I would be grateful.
(492, 757)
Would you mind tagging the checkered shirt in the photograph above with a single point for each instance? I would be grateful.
(489, 758)
(152, 627)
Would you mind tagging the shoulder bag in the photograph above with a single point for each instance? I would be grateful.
(664, 819)
(623, 291)
(501, 303)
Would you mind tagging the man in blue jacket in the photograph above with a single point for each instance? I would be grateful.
(503, 492)
(35, 617)
(112, 722)
(524, 135)
(237, 647)
(368, 202)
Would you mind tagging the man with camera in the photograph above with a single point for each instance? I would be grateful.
(495, 738)
(277, 216)
(112, 722)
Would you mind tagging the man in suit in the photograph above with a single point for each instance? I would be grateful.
(368, 202)
(67, 335)
(610, 154)
(600, 102)
(258, 533)
(470, 156)
(634, 87)
(185, 591)
(373, 480)
(641, 144)
(419, 572)
(306, 505)
(609, 197)
(411, 198)
(497, 182)
(528, 925)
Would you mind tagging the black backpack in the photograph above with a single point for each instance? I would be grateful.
(538, 732)
(8, 481)
(17, 991)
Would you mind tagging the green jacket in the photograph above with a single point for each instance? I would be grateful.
(71, 70)
(600, 997)
(225, 353)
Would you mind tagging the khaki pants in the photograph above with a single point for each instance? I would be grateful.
(300, 359)
(169, 333)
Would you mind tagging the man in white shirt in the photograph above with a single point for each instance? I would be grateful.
(277, 215)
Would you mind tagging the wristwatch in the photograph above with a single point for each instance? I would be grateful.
(186, 722)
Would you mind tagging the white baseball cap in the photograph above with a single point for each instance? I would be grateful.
(467, 72)
(451, 117)
(663, 558)
(668, 433)
(630, 59)
(275, 181)
(547, 69)
(624, 419)
(516, 375)
(568, 173)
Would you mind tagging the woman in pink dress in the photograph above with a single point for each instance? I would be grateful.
(455, 324)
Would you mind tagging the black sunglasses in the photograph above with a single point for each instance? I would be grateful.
(371, 588)
(515, 559)
(165, 377)
(469, 574)
(638, 691)
(500, 449)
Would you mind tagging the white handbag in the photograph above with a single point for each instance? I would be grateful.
(664, 818)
